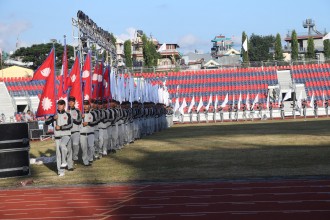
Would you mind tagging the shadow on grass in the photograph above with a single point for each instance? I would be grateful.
(211, 161)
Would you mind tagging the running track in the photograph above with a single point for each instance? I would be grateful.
(276, 199)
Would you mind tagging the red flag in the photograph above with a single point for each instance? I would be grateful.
(47, 68)
(106, 83)
(86, 77)
(100, 81)
(75, 83)
(46, 71)
(95, 82)
(65, 69)
(62, 85)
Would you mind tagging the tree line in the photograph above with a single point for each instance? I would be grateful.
(258, 48)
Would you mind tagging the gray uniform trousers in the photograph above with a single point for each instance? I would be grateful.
(221, 116)
(87, 145)
(304, 112)
(75, 145)
(252, 115)
(121, 133)
(236, 116)
(315, 112)
(103, 140)
(326, 111)
(96, 142)
(282, 113)
(74, 142)
(61, 152)
(244, 115)
(109, 130)
(113, 137)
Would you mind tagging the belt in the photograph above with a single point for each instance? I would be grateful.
(103, 128)
(72, 132)
(113, 125)
(57, 138)
(85, 134)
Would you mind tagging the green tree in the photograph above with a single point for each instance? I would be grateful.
(326, 48)
(245, 55)
(37, 54)
(294, 46)
(278, 48)
(310, 48)
(150, 54)
(128, 53)
(259, 47)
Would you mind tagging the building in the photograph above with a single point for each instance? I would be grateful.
(169, 56)
(223, 53)
(302, 41)
(120, 52)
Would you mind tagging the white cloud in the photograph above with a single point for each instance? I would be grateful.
(190, 43)
(9, 33)
(128, 34)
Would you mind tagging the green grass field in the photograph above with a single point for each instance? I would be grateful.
(204, 151)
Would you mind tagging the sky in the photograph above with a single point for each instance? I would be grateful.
(189, 23)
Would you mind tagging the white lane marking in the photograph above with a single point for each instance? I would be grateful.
(35, 204)
(76, 202)
(61, 211)
(16, 214)
(152, 207)
(142, 217)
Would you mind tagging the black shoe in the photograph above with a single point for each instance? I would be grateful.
(88, 165)
(71, 169)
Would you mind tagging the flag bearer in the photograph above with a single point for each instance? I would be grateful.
(62, 124)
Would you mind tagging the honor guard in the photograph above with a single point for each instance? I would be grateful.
(260, 110)
(270, 108)
(326, 106)
(244, 112)
(251, 111)
(282, 110)
(304, 106)
(230, 109)
(214, 111)
(62, 124)
(220, 110)
(315, 109)
(236, 112)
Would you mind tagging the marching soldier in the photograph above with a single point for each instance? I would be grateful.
(315, 109)
(97, 115)
(73, 146)
(62, 124)
(282, 110)
(89, 121)
(198, 116)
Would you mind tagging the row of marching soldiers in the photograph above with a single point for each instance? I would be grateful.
(103, 128)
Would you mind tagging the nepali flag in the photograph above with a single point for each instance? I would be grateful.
(106, 83)
(62, 86)
(86, 77)
(75, 83)
(100, 74)
(46, 71)
(95, 83)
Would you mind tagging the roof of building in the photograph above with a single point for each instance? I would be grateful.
(198, 56)
(16, 71)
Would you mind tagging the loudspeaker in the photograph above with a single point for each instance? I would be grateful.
(36, 133)
(14, 150)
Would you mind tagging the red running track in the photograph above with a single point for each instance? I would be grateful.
(276, 199)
